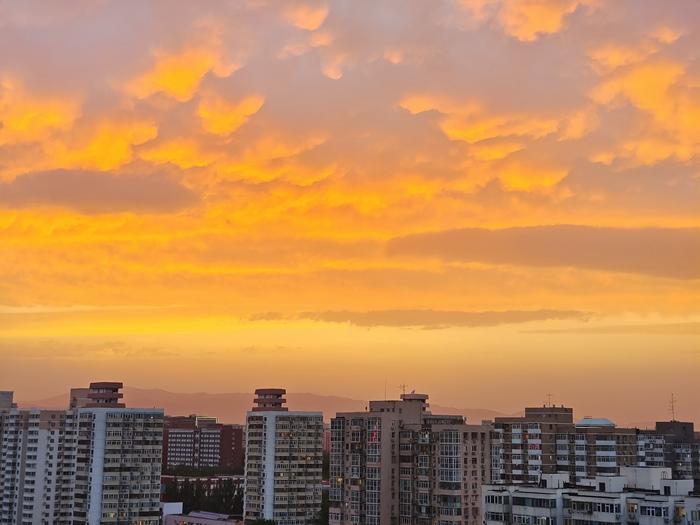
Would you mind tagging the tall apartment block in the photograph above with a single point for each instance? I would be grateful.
(202, 442)
(547, 441)
(284, 461)
(671, 444)
(96, 463)
(398, 463)
(637, 496)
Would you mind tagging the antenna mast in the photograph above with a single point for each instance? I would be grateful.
(672, 406)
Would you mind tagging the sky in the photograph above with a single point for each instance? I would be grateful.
(486, 200)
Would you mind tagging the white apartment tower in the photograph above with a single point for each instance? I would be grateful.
(284, 461)
(96, 463)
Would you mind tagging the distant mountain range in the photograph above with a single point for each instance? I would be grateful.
(232, 407)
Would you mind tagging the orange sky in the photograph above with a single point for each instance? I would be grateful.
(488, 200)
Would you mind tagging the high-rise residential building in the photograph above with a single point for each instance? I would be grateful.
(399, 464)
(637, 496)
(202, 443)
(284, 461)
(96, 463)
(546, 440)
(671, 444)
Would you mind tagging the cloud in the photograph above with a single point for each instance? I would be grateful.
(526, 20)
(658, 252)
(25, 117)
(222, 117)
(280, 144)
(96, 192)
(472, 122)
(689, 328)
(306, 15)
(438, 318)
(105, 145)
(178, 75)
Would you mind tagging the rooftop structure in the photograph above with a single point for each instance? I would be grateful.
(270, 399)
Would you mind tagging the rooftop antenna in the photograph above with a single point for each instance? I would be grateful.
(672, 406)
(384, 388)
(403, 387)
(549, 400)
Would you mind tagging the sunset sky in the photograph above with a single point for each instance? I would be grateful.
(486, 200)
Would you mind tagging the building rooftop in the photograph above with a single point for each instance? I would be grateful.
(270, 399)
(594, 422)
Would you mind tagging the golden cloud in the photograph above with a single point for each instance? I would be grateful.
(178, 75)
(27, 117)
(222, 117)
(526, 20)
(473, 122)
(305, 15)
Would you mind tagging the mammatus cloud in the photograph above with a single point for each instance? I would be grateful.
(659, 252)
(268, 150)
(96, 192)
(427, 318)
(526, 20)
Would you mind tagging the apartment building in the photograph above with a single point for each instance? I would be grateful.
(202, 443)
(546, 440)
(95, 463)
(284, 461)
(671, 444)
(638, 495)
(398, 463)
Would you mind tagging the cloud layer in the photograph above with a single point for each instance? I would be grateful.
(659, 252)
(94, 192)
(237, 157)
(438, 318)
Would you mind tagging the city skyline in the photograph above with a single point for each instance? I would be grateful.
(488, 200)
(231, 408)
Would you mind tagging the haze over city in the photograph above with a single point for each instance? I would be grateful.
(489, 201)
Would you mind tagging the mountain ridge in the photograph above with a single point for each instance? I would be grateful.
(231, 407)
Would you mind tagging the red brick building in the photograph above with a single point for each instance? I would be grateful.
(202, 442)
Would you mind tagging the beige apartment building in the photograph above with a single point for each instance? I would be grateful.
(284, 461)
(398, 463)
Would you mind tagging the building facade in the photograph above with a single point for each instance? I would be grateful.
(284, 461)
(399, 464)
(546, 440)
(671, 444)
(95, 463)
(639, 496)
(202, 443)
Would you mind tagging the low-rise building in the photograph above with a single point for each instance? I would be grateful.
(200, 518)
(638, 495)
